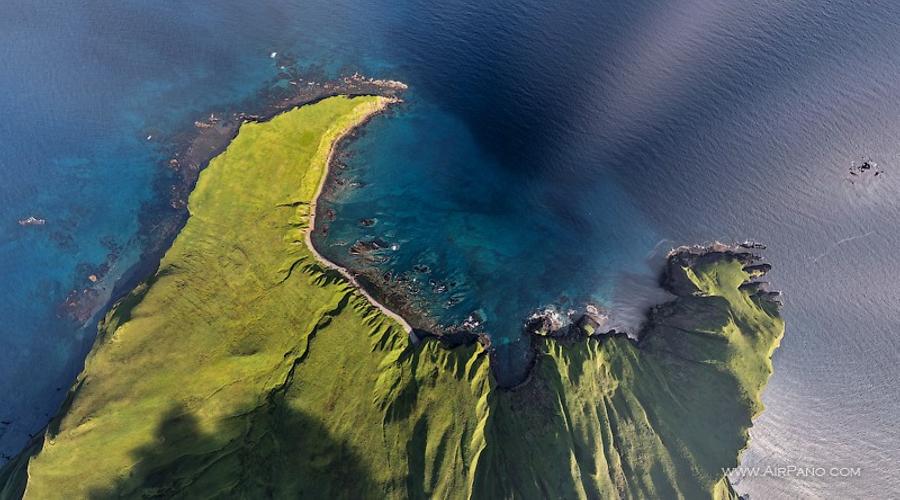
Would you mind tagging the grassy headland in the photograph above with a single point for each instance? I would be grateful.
(247, 368)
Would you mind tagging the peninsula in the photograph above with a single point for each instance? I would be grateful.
(248, 367)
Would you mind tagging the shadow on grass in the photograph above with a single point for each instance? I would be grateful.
(271, 452)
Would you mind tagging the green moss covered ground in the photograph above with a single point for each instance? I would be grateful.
(245, 368)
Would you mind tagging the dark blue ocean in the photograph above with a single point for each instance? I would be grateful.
(547, 154)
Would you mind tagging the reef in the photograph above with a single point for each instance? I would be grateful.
(246, 366)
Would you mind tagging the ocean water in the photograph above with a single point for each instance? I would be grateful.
(547, 154)
(458, 223)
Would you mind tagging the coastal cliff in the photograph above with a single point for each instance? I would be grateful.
(248, 367)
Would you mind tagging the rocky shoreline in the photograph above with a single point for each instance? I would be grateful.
(399, 295)
(396, 292)
(314, 213)
(549, 324)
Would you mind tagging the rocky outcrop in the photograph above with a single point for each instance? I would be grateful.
(32, 221)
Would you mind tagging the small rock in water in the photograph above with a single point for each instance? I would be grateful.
(751, 245)
(864, 168)
(32, 221)
(473, 321)
(362, 247)
(437, 287)
(545, 322)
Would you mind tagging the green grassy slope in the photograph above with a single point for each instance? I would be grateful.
(656, 421)
(246, 368)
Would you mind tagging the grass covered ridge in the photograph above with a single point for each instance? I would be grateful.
(245, 367)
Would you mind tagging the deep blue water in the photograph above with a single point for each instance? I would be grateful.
(546, 155)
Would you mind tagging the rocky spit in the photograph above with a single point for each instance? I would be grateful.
(188, 152)
(691, 256)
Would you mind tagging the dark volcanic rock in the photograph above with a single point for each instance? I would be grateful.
(758, 270)
(864, 169)
(546, 323)
(588, 325)
(458, 338)
(362, 247)
(752, 287)
(752, 245)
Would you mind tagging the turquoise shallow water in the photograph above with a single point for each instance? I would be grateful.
(546, 155)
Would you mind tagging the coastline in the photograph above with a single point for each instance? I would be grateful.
(188, 153)
(346, 273)
(578, 372)
(96, 400)
(392, 300)
(588, 323)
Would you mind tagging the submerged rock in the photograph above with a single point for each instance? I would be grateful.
(366, 247)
